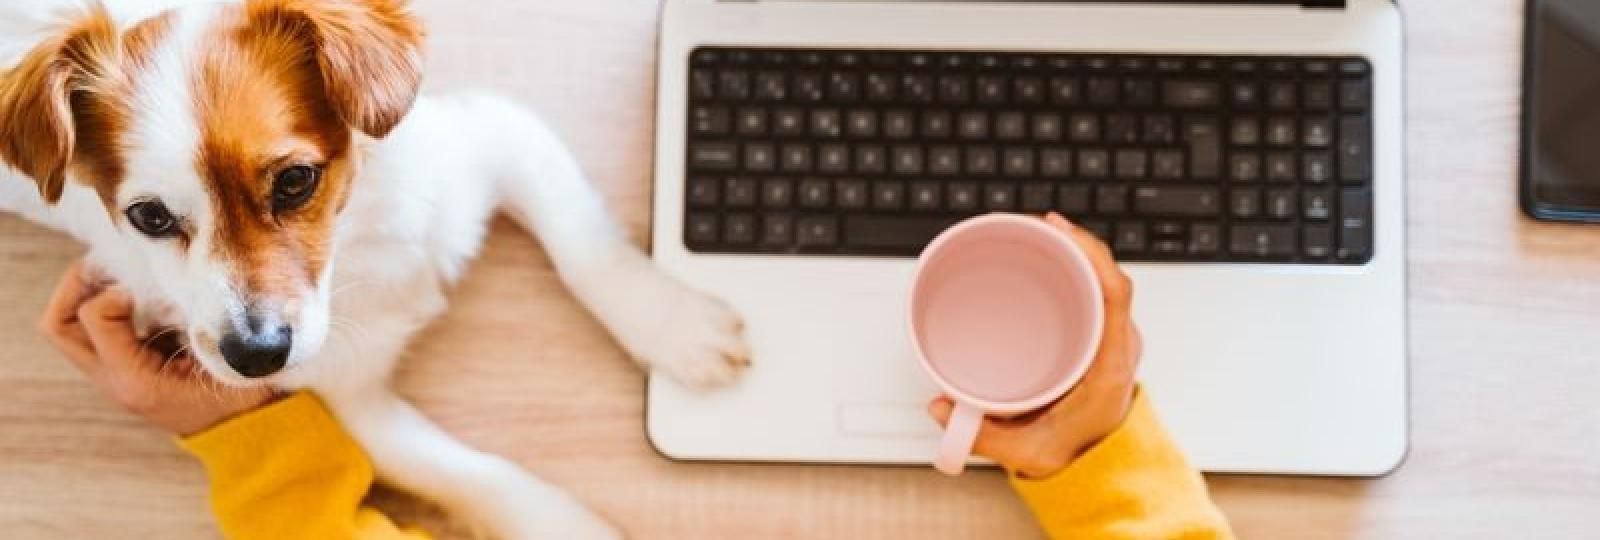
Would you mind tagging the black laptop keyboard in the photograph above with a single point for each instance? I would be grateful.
(1166, 158)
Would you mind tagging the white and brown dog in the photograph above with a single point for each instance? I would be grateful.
(255, 170)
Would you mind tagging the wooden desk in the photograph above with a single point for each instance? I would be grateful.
(1505, 389)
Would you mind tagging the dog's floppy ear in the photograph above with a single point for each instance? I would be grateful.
(369, 53)
(37, 131)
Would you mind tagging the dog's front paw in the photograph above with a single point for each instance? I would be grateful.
(690, 336)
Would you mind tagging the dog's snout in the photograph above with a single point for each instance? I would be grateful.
(258, 351)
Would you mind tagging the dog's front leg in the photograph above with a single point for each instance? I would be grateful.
(410, 452)
(660, 321)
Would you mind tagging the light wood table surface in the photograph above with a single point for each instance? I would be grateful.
(1504, 317)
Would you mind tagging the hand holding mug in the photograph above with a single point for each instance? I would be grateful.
(1042, 441)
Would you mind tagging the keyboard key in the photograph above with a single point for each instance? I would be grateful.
(1246, 131)
(844, 86)
(818, 231)
(906, 235)
(888, 195)
(926, 196)
(826, 123)
(981, 161)
(963, 196)
(1244, 167)
(1065, 91)
(880, 87)
(1318, 167)
(1122, 129)
(1205, 239)
(704, 192)
(1055, 162)
(1282, 204)
(713, 156)
(702, 84)
(1317, 241)
(1084, 128)
(1318, 205)
(1139, 92)
(796, 158)
(1355, 225)
(733, 85)
(899, 124)
(1011, 126)
(751, 121)
(1265, 241)
(917, 88)
(739, 192)
(1100, 229)
(871, 159)
(907, 160)
(1111, 199)
(1074, 199)
(1281, 167)
(777, 193)
(1177, 201)
(937, 124)
(1038, 197)
(701, 228)
(1103, 91)
(1094, 163)
(1281, 131)
(1355, 149)
(944, 160)
(1317, 132)
(1000, 197)
(1029, 90)
(777, 230)
(1193, 94)
(1204, 135)
(992, 90)
(835, 158)
(815, 193)
(852, 194)
(862, 123)
(739, 229)
(1048, 127)
(809, 87)
(1245, 95)
(1282, 96)
(1160, 129)
(788, 122)
(955, 89)
(760, 157)
(1130, 238)
(1133, 164)
(973, 125)
(771, 86)
(1318, 95)
(1017, 161)
(1167, 164)
(1355, 96)
(1245, 203)
(710, 120)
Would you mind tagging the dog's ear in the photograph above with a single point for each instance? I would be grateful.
(369, 53)
(37, 131)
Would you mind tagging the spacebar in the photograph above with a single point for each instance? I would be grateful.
(897, 234)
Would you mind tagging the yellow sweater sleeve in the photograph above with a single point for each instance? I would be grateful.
(289, 470)
(1135, 484)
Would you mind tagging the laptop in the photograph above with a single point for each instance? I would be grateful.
(1243, 159)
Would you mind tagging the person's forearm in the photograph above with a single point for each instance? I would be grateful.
(1135, 484)
(289, 470)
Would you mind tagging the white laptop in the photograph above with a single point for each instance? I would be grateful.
(1244, 159)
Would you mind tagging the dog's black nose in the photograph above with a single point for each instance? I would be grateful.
(258, 354)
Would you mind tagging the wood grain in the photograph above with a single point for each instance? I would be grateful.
(1505, 392)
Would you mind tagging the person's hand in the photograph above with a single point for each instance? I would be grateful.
(92, 325)
(1040, 444)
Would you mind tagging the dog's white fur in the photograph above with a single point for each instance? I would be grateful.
(416, 217)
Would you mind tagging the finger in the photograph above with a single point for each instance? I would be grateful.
(1114, 284)
(1008, 442)
(62, 308)
(108, 320)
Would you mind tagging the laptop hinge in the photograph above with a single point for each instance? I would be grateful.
(1335, 4)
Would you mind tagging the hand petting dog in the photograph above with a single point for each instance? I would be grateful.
(91, 324)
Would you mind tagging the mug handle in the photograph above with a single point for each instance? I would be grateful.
(959, 436)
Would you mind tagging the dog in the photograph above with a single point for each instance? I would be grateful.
(258, 172)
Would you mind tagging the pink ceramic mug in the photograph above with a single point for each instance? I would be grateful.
(1006, 316)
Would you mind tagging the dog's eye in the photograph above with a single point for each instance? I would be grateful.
(153, 219)
(294, 186)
